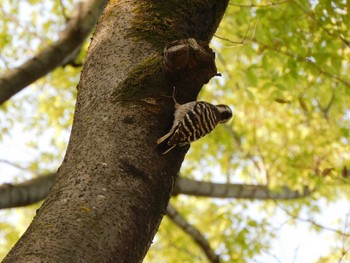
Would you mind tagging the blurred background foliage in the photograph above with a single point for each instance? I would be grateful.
(285, 72)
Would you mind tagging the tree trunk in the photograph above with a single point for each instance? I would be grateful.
(114, 184)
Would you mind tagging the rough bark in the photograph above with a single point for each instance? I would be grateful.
(114, 184)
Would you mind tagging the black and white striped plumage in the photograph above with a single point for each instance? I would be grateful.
(194, 120)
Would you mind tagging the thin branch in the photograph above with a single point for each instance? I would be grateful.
(235, 136)
(312, 17)
(330, 103)
(305, 60)
(325, 110)
(344, 250)
(263, 166)
(270, 254)
(292, 55)
(18, 24)
(312, 222)
(58, 54)
(63, 10)
(238, 43)
(193, 232)
(261, 5)
(14, 165)
(186, 251)
(242, 42)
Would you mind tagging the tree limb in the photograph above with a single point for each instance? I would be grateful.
(193, 232)
(238, 191)
(26, 193)
(261, 5)
(35, 190)
(57, 54)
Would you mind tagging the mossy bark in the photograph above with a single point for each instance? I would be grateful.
(166, 21)
(114, 184)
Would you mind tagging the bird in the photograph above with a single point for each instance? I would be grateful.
(192, 121)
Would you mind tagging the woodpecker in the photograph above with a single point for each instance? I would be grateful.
(194, 120)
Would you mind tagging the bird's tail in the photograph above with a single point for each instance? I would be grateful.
(163, 138)
(172, 147)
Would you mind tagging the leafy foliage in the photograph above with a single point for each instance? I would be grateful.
(284, 72)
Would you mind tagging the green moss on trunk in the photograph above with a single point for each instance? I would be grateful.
(142, 82)
(161, 22)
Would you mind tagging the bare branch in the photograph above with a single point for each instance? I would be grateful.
(58, 54)
(14, 19)
(296, 57)
(261, 5)
(63, 10)
(13, 165)
(314, 223)
(35, 190)
(344, 250)
(312, 17)
(243, 40)
(239, 43)
(305, 60)
(235, 136)
(193, 232)
(26, 193)
(238, 191)
(325, 110)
